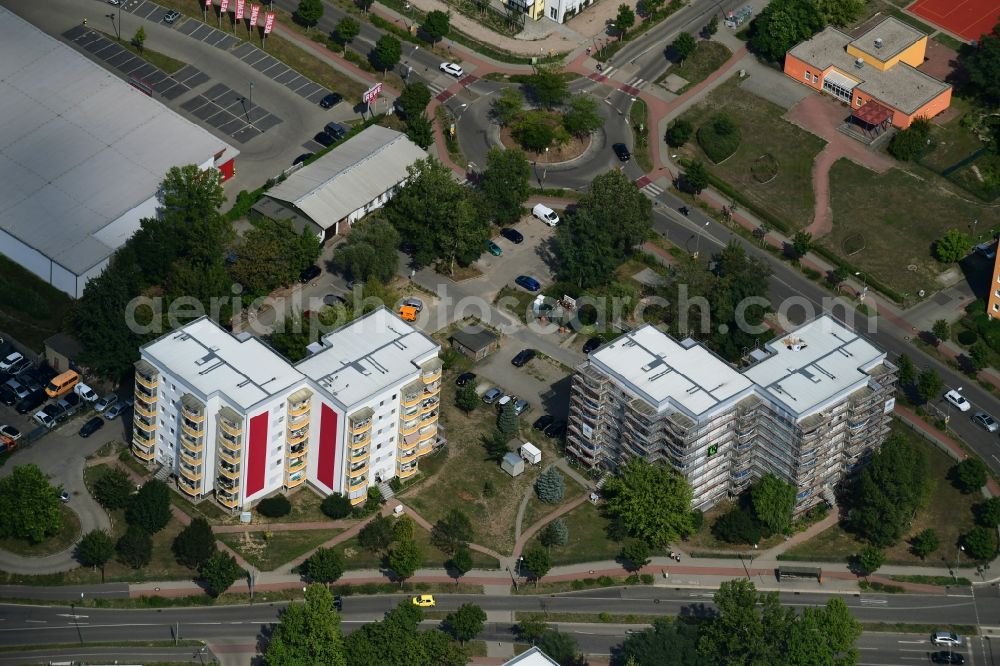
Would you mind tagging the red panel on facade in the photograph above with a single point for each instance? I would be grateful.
(228, 169)
(257, 454)
(327, 446)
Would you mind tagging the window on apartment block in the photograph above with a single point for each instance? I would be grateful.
(996, 308)
(808, 75)
(381, 404)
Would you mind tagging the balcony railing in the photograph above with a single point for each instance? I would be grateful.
(234, 448)
(356, 471)
(295, 464)
(296, 436)
(231, 428)
(142, 454)
(147, 438)
(359, 482)
(191, 459)
(143, 424)
(148, 382)
(359, 455)
(196, 416)
(228, 457)
(228, 502)
(361, 426)
(231, 473)
(141, 408)
(407, 456)
(360, 440)
(195, 445)
(192, 474)
(407, 474)
(294, 482)
(298, 409)
(193, 432)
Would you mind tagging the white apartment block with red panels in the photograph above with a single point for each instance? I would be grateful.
(226, 415)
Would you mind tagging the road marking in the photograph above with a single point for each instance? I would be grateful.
(874, 601)
(912, 642)
(68, 615)
(33, 622)
(652, 190)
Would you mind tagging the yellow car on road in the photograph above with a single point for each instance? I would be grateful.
(424, 600)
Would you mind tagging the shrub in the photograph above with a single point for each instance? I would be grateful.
(679, 133)
(550, 486)
(913, 142)
(719, 138)
(966, 337)
(969, 475)
(647, 579)
(737, 526)
(336, 506)
(274, 507)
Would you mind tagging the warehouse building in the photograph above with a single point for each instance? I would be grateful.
(83, 154)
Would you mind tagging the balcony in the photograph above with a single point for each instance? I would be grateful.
(425, 447)
(411, 399)
(295, 465)
(297, 436)
(193, 460)
(429, 377)
(408, 473)
(141, 454)
(195, 446)
(427, 432)
(358, 483)
(189, 490)
(144, 410)
(228, 457)
(360, 499)
(192, 474)
(195, 433)
(226, 485)
(146, 375)
(234, 448)
(357, 470)
(148, 401)
(298, 450)
(230, 472)
(298, 409)
(144, 392)
(361, 420)
(233, 428)
(406, 456)
(360, 440)
(143, 424)
(409, 427)
(359, 455)
(195, 414)
(230, 502)
(143, 437)
(296, 482)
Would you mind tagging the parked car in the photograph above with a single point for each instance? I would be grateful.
(301, 158)
(513, 235)
(493, 248)
(91, 426)
(10, 432)
(20, 390)
(521, 406)
(592, 344)
(985, 421)
(64, 496)
(947, 657)
(527, 282)
(988, 249)
(545, 214)
(414, 303)
(30, 402)
(338, 602)
(105, 402)
(493, 395)
(423, 600)
(556, 430)
(336, 130)
(48, 416)
(88, 394)
(171, 17)
(324, 139)
(465, 378)
(957, 399)
(621, 150)
(523, 357)
(10, 360)
(115, 410)
(331, 100)
(948, 638)
(452, 69)
(542, 422)
(70, 404)
(8, 396)
(310, 273)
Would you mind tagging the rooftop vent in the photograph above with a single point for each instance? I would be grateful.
(878, 43)
(794, 344)
(859, 63)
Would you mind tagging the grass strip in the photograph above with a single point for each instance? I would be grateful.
(638, 115)
(591, 618)
(904, 628)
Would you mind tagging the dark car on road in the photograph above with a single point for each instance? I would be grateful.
(331, 100)
(946, 657)
(523, 357)
(465, 378)
(301, 158)
(621, 150)
(542, 422)
(513, 235)
(324, 139)
(91, 426)
(310, 273)
(526, 282)
(592, 344)
(556, 430)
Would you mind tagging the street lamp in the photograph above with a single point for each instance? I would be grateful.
(118, 33)
(250, 113)
(864, 280)
(519, 560)
(959, 562)
(545, 170)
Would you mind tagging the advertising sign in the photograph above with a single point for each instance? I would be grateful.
(208, 4)
(254, 13)
(240, 5)
(268, 22)
(372, 93)
(223, 6)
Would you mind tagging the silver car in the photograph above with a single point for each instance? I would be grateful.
(105, 402)
(985, 421)
(493, 395)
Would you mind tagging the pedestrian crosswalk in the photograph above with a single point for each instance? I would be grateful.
(652, 190)
(634, 86)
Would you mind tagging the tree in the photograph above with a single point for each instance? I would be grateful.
(801, 243)
(747, 626)
(581, 117)
(560, 647)
(414, 99)
(679, 133)
(309, 12)
(404, 559)
(365, 5)
(840, 12)
(275, 506)
(888, 492)
(460, 562)
(139, 39)
(452, 532)
(907, 372)
(683, 46)
(95, 549)
(508, 105)
(870, 559)
(114, 489)
(436, 25)
(495, 445)
(547, 86)
(536, 563)
(395, 641)
(466, 398)
(420, 130)
(135, 547)
(370, 252)
(386, 53)
(695, 178)
(981, 67)
(773, 501)
(508, 421)
(326, 566)
(307, 633)
(980, 543)
(554, 534)
(782, 25)
(925, 543)
(970, 475)
(913, 142)
(668, 641)
(534, 131)
(624, 20)
(466, 622)
(823, 636)
(531, 627)
(150, 507)
(952, 246)
(271, 254)
(219, 572)
(987, 512)
(436, 215)
(550, 486)
(336, 506)
(712, 26)
(441, 649)
(980, 353)
(29, 505)
(403, 529)
(737, 526)
(292, 336)
(505, 186)
(636, 555)
(929, 384)
(653, 501)
(376, 536)
(941, 329)
(346, 30)
(195, 544)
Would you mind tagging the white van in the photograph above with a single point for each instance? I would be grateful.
(545, 214)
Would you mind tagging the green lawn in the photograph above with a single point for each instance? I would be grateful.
(588, 540)
(703, 541)
(707, 58)
(949, 513)
(269, 553)
(952, 142)
(357, 557)
(517, 302)
(789, 195)
(30, 310)
(638, 116)
(896, 217)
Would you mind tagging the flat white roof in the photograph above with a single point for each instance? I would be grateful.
(79, 148)
(532, 657)
(367, 356)
(814, 364)
(210, 359)
(658, 367)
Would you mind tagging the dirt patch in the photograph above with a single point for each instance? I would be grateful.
(563, 153)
